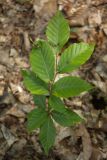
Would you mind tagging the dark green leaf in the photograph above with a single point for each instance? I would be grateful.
(42, 61)
(68, 118)
(74, 56)
(70, 86)
(34, 84)
(47, 134)
(58, 30)
(36, 118)
(39, 100)
(57, 104)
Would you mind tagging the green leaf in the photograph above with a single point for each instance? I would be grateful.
(39, 100)
(36, 118)
(68, 118)
(34, 84)
(58, 30)
(42, 61)
(74, 56)
(57, 104)
(47, 134)
(70, 86)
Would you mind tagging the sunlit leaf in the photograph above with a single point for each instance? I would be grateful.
(42, 61)
(34, 84)
(70, 86)
(74, 56)
(58, 31)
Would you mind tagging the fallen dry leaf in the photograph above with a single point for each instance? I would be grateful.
(86, 141)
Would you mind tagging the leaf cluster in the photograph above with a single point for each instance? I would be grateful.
(40, 80)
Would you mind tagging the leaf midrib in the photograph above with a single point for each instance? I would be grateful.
(45, 65)
(70, 62)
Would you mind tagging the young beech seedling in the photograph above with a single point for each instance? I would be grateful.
(40, 80)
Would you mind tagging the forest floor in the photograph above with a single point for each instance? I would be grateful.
(21, 22)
